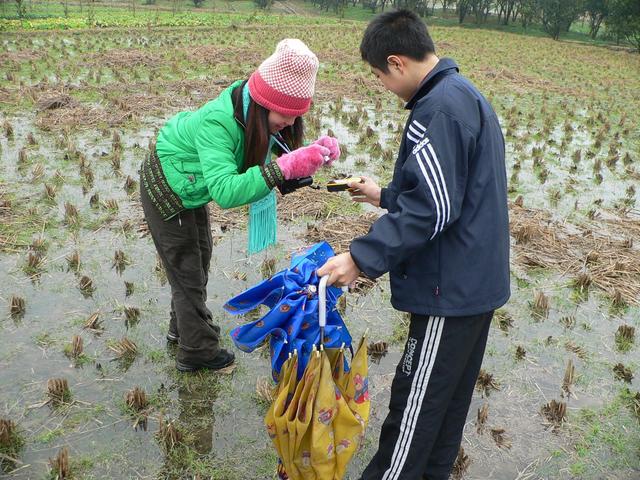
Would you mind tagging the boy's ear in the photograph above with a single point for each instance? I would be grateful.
(396, 63)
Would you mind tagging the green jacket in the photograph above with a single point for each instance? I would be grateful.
(202, 153)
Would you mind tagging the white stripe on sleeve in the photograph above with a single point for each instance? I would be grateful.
(420, 126)
(415, 131)
(412, 138)
(442, 182)
(439, 187)
(436, 200)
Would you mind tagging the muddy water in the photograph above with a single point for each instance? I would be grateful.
(577, 190)
(221, 419)
(220, 413)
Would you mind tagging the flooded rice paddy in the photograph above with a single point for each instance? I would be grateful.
(86, 300)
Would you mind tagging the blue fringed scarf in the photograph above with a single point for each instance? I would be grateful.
(263, 220)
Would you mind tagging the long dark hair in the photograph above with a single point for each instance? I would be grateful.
(256, 132)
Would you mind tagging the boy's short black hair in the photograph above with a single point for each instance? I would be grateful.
(399, 32)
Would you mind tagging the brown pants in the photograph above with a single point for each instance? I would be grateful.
(184, 244)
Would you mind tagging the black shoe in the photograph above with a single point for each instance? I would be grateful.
(222, 360)
(173, 337)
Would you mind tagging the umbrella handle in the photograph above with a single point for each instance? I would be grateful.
(322, 305)
(322, 301)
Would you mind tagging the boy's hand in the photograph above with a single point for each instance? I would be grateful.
(366, 192)
(342, 270)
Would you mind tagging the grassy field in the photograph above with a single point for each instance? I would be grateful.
(80, 106)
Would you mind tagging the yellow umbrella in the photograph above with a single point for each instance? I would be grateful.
(353, 409)
(276, 419)
(317, 424)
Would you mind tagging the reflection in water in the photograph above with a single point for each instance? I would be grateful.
(196, 412)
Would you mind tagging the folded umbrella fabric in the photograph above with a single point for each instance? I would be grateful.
(292, 321)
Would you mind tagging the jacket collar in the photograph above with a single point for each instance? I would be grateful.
(445, 66)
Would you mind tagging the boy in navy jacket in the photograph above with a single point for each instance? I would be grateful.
(444, 242)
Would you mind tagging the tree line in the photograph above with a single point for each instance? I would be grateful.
(620, 18)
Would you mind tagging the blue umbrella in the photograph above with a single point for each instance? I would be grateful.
(292, 321)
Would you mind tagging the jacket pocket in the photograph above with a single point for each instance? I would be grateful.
(188, 185)
(194, 187)
(422, 265)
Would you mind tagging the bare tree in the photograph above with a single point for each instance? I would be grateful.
(558, 15)
(597, 11)
(506, 8)
(22, 9)
(481, 9)
(446, 4)
(528, 11)
(65, 8)
(463, 9)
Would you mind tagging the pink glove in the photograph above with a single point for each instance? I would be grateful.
(332, 144)
(303, 162)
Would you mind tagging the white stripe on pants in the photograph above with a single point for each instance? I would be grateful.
(419, 385)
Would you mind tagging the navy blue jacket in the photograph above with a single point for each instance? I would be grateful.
(445, 238)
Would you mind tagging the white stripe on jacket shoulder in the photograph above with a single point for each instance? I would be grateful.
(415, 131)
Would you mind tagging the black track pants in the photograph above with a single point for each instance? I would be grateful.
(430, 397)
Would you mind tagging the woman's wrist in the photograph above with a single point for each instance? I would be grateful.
(272, 175)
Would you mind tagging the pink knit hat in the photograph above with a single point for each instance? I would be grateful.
(285, 81)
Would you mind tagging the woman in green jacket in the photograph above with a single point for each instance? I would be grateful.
(222, 152)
